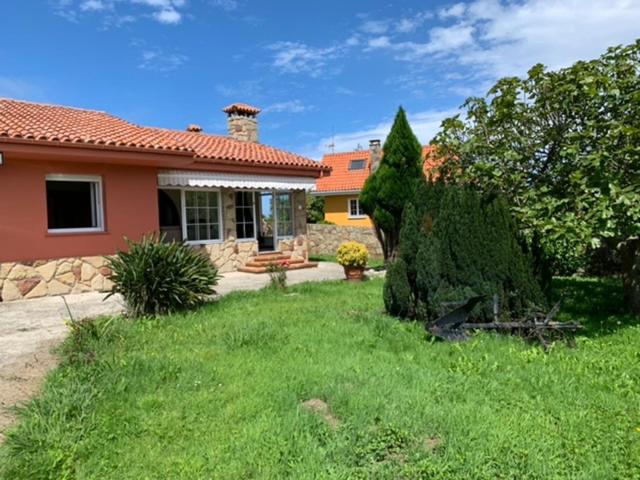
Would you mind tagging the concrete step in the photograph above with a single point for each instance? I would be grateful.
(293, 266)
(255, 263)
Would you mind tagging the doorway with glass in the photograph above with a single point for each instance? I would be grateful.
(266, 216)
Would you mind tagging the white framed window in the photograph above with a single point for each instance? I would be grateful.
(284, 214)
(245, 215)
(355, 210)
(74, 203)
(201, 216)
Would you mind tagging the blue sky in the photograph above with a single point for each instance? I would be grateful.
(324, 72)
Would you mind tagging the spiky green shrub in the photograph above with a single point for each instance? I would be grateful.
(455, 244)
(155, 277)
(398, 299)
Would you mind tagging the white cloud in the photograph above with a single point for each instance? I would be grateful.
(293, 57)
(497, 38)
(119, 12)
(455, 11)
(375, 27)
(168, 16)
(424, 124)
(160, 61)
(410, 24)
(291, 106)
(379, 42)
(228, 5)
(94, 5)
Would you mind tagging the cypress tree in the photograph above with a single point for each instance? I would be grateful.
(392, 185)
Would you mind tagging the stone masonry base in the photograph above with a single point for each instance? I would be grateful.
(53, 277)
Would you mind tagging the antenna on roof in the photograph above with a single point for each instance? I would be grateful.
(359, 148)
(332, 145)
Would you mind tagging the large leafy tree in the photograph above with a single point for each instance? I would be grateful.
(393, 183)
(564, 147)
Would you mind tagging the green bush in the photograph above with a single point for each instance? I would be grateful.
(155, 277)
(397, 291)
(455, 244)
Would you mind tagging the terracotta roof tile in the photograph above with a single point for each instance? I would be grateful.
(341, 179)
(52, 123)
(241, 108)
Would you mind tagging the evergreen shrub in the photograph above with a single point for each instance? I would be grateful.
(455, 244)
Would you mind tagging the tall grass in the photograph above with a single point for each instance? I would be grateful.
(218, 393)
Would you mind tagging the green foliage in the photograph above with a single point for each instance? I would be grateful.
(393, 183)
(277, 275)
(155, 277)
(352, 254)
(315, 209)
(217, 393)
(562, 146)
(466, 246)
(398, 299)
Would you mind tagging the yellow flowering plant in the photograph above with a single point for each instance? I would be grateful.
(352, 254)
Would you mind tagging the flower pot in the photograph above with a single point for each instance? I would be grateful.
(354, 274)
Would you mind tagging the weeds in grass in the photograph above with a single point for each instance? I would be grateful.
(278, 275)
(217, 393)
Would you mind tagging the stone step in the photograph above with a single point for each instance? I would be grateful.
(295, 266)
(255, 263)
(270, 257)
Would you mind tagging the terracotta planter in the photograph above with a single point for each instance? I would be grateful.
(354, 274)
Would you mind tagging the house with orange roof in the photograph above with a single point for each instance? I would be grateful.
(75, 183)
(345, 177)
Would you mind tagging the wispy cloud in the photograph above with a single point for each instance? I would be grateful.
(242, 90)
(20, 89)
(228, 5)
(161, 61)
(290, 106)
(496, 37)
(375, 27)
(118, 12)
(411, 23)
(294, 57)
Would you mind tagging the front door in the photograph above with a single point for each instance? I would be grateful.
(266, 228)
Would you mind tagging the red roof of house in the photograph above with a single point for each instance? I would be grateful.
(341, 179)
(58, 124)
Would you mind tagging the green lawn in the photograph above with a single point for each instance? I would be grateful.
(218, 393)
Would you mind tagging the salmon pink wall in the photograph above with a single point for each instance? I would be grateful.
(130, 208)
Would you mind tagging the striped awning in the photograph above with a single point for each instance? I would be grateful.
(184, 178)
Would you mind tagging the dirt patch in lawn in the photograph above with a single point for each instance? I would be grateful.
(21, 380)
(320, 408)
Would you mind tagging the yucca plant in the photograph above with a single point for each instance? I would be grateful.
(155, 277)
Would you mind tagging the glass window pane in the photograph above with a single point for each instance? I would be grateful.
(72, 204)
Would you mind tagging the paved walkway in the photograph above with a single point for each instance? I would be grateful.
(30, 328)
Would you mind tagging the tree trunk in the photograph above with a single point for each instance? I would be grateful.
(630, 256)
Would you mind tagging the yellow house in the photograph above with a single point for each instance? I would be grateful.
(341, 188)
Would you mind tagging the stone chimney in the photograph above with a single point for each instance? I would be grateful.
(242, 122)
(375, 153)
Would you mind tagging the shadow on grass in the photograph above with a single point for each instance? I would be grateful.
(597, 303)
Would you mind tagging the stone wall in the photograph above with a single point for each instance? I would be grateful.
(53, 277)
(325, 239)
(42, 278)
